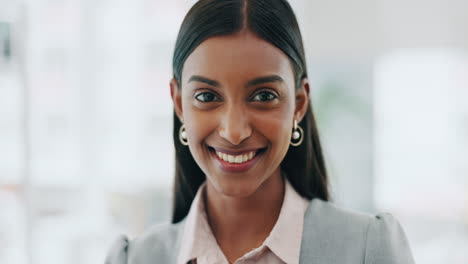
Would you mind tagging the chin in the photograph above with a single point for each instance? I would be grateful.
(236, 188)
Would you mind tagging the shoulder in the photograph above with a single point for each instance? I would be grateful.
(158, 242)
(330, 215)
(357, 236)
(387, 242)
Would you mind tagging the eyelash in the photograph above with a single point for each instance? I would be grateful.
(268, 94)
(207, 93)
(261, 92)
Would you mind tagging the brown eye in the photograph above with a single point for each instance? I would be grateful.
(264, 96)
(207, 97)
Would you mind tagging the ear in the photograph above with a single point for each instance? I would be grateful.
(302, 100)
(176, 95)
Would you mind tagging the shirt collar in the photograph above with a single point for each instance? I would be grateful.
(196, 229)
(286, 236)
(284, 239)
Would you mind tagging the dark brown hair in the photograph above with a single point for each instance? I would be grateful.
(275, 22)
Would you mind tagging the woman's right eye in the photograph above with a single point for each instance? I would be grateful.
(207, 97)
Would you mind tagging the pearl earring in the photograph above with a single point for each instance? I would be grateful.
(297, 135)
(183, 135)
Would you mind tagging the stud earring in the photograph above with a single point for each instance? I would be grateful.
(297, 135)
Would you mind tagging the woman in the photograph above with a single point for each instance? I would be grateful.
(250, 183)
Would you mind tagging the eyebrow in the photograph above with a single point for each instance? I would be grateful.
(198, 78)
(256, 81)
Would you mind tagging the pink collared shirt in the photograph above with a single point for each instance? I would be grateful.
(282, 245)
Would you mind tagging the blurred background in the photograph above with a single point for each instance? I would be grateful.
(85, 119)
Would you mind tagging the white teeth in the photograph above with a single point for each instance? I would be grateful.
(245, 157)
(236, 159)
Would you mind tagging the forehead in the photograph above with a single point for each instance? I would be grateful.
(237, 58)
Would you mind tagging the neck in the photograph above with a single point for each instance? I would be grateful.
(249, 220)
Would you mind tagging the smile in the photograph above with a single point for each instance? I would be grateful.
(236, 162)
(236, 159)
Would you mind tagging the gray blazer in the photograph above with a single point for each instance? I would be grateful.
(331, 235)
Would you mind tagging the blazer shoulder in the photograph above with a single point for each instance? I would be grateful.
(387, 242)
(329, 215)
(158, 242)
(158, 234)
(117, 253)
(359, 237)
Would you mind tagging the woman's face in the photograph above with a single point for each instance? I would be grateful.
(238, 102)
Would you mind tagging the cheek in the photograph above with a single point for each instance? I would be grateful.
(199, 127)
(275, 128)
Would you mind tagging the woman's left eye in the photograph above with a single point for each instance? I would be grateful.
(264, 96)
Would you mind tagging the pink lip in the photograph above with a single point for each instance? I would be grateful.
(235, 167)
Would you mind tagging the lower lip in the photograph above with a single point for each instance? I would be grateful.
(235, 167)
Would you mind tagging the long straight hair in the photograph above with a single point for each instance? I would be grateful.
(275, 22)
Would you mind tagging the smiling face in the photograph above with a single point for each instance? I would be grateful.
(238, 102)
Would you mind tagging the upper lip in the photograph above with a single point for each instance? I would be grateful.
(235, 152)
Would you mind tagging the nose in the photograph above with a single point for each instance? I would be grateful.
(235, 126)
